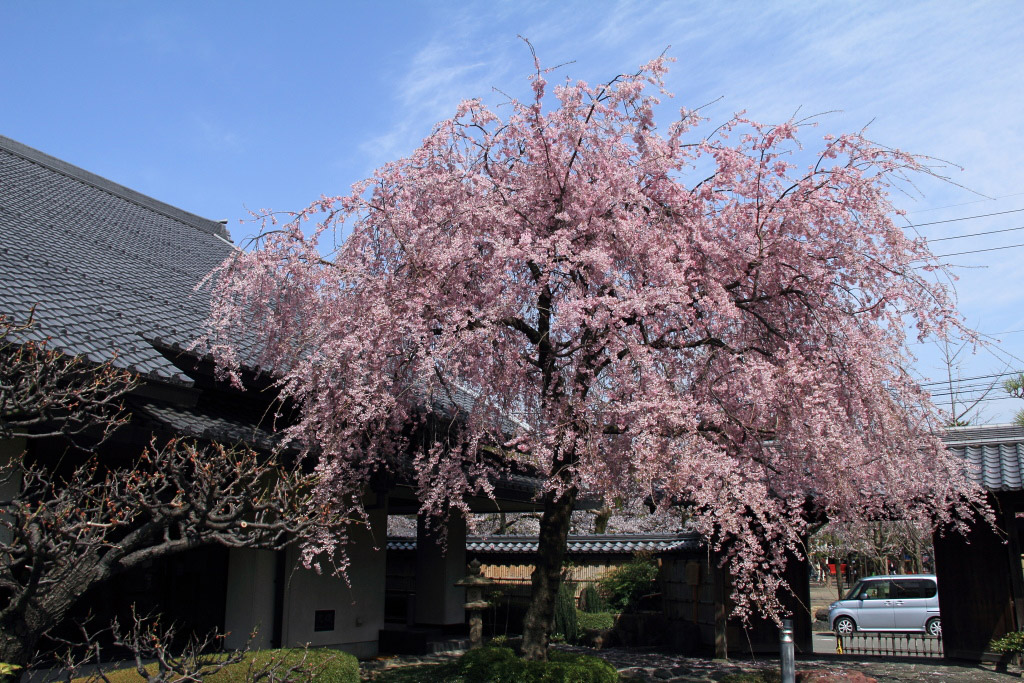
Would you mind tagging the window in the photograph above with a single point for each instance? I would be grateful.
(323, 620)
(906, 589)
(875, 590)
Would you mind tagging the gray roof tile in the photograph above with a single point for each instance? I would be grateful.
(994, 453)
(616, 544)
(104, 267)
(224, 428)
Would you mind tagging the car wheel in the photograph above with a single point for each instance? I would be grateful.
(934, 627)
(844, 626)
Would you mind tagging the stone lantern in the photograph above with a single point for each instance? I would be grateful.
(475, 584)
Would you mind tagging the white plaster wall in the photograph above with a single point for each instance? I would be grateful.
(10, 486)
(358, 608)
(439, 601)
(250, 598)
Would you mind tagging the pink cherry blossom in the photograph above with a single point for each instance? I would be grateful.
(596, 310)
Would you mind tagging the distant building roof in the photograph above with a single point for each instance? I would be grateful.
(995, 454)
(107, 269)
(594, 544)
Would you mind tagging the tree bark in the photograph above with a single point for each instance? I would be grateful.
(17, 642)
(547, 575)
(22, 629)
(601, 519)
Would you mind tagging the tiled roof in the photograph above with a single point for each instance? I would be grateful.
(605, 544)
(111, 271)
(108, 270)
(995, 454)
(204, 425)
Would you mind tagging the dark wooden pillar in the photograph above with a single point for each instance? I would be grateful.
(980, 582)
(759, 635)
(799, 601)
(721, 611)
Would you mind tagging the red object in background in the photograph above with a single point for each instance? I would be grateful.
(832, 568)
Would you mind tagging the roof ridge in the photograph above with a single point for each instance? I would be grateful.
(109, 186)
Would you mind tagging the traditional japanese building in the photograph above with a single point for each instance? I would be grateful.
(981, 587)
(108, 273)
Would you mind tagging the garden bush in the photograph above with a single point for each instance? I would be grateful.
(625, 585)
(501, 665)
(1011, 643)
(9, 672)
(592, 600)
(595, 621)
(565, 612)
(320, 665)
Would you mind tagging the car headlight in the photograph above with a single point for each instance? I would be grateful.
(833, 606)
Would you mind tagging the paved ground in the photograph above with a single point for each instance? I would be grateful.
(649, 666)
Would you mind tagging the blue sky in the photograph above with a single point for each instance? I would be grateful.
(217, 107)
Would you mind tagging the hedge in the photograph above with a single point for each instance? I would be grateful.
(595, 621)
(320, 665)
(501, 665)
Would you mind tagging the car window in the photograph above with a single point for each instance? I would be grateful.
(854, 593)
(907, 588)
(913, 588)
(875, 590)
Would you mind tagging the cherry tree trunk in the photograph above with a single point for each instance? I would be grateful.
(547, 576)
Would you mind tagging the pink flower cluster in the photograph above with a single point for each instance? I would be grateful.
(557, 288)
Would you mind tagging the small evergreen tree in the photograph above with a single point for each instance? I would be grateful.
(565, 611)
(593, 601)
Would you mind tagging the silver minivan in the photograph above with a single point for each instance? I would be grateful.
(907, 602)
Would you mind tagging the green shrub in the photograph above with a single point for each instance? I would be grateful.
(1011, 643)
(320, 665)
(9, 672)
(565, 612)
(593, 601)
(625, 585)
(500, 665)
(495, 664)
(595, 621)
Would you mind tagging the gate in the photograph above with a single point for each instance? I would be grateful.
(890, 644)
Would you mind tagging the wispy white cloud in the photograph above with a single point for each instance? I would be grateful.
(216, 136)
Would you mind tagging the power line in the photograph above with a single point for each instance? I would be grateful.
(965, 402)
(963, 218)
(970, 379)
(996, 334)
(965, 389)
(992, 335)
(978, 251)
(975, 234)
(976, 201)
